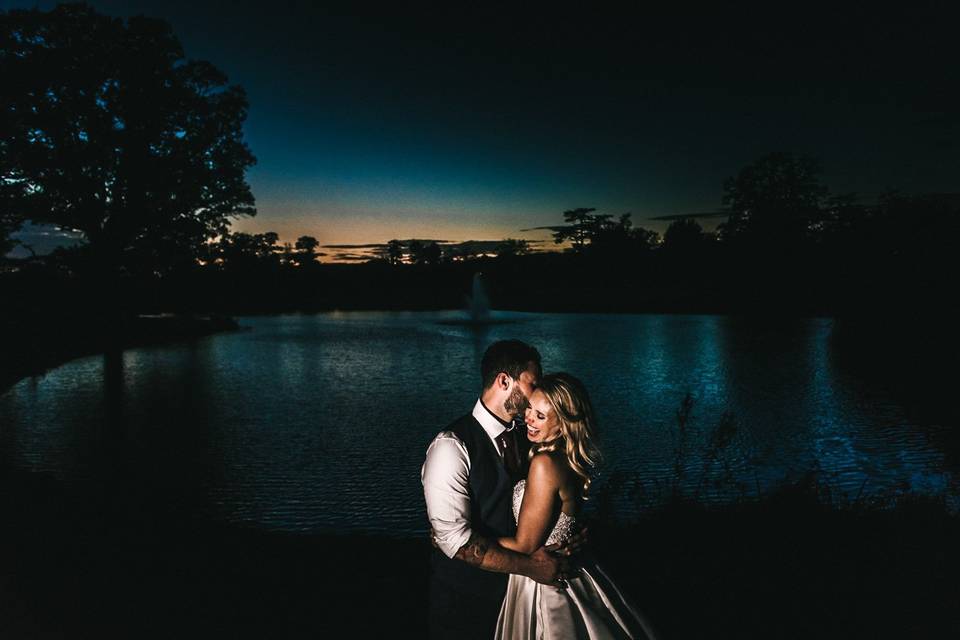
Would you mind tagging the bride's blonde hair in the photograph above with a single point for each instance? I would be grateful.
(570, 403)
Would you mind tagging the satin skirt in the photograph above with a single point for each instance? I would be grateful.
(590, 607)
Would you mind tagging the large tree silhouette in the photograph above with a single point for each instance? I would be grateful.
(776, 200)
(108, 130)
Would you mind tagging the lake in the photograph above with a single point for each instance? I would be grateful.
(319, 423)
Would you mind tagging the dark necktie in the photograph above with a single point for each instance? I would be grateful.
(508, 449)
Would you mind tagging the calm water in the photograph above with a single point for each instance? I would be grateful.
(319, 423)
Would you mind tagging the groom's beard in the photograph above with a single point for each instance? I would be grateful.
(516, 405)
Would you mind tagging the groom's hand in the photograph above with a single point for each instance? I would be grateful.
(547, 568)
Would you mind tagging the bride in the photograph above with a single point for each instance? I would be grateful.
(561, 430)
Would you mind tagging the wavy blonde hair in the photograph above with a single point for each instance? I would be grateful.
(578, 432)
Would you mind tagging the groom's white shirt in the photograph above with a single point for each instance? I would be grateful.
(445, 476)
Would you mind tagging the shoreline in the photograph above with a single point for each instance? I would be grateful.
(49, 346)
(786, 315)
(33, 357)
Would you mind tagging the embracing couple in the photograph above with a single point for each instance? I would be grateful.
(503, 503)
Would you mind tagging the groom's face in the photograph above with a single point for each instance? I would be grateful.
(523, 387)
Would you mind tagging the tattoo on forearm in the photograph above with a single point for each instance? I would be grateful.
(474, 551)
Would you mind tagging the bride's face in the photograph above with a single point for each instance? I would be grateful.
(542, 422)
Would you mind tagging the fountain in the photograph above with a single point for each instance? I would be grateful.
(477, 307)
(478, 304)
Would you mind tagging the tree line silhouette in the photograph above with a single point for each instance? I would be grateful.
(114, 134)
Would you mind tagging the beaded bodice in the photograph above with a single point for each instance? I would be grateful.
(565, 523)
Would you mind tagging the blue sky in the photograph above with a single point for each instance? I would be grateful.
(440, 124)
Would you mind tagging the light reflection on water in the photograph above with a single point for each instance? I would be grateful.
(319, 423)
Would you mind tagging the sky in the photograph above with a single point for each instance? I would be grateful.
(477, 123)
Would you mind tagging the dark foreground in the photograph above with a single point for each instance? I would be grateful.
(787, 568)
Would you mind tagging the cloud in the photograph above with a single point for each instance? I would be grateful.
(475, 246)
(553, 228)
(384, 244)
(354, 246)
(352, 257)
(681, 216)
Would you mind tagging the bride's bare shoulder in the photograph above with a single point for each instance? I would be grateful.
(548, 466)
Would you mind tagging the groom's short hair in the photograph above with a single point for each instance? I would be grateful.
(512, 357)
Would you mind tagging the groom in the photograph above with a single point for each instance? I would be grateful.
(468, 480)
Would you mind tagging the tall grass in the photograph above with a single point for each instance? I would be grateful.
(708, 468)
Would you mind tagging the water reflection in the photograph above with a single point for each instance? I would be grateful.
(320, 422)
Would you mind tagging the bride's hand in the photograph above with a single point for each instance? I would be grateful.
(572, 546)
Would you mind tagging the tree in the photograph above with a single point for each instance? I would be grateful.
(306, 247)
(611, 239)
(247, 250)
(602, 230)
(425, 253)
(307, 244)
(778, 199)
(513, 247)
(596, 233)
(394, 251)
(431, 254)
(684, 235)
(579, 224)
(416, 251)
(644, 239)
(113, 133)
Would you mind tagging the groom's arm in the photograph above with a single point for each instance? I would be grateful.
(445, 477)
(488, 555)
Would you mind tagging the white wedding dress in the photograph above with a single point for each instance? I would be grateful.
(590, 607)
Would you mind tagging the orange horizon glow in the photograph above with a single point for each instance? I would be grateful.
(374, 229)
